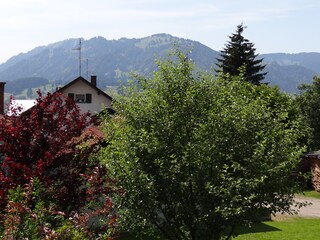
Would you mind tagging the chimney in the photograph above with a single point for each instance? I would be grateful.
(94, 81)
(2, 97)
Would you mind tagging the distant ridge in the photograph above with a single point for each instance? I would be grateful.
(113, 60)
(110, 60)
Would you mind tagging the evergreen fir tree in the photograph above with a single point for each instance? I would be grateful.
(239, 54)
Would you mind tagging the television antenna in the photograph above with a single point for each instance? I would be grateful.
(78, 48)
(87, 61)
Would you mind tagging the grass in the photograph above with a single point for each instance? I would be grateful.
(311, 194)
(290, 228)
(293, 229)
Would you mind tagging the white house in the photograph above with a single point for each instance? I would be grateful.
(87, 96)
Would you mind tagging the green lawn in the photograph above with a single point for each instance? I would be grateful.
(291, 229)
(311, 193)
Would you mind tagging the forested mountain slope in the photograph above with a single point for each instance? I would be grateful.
(113, 61)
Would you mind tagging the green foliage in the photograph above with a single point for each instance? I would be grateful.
(309, 103)
(240, 53)
(28, 214)
(33, 213)
(197, 155)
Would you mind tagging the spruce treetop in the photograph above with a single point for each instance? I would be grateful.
(239, 56)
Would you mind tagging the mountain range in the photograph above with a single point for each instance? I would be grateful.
(112, 61)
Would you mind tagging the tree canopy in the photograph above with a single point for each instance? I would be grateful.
(309, 103)
(197, 155)
(239, 56)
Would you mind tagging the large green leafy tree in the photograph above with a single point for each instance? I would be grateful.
(238, 54)
(309, 102)
(197, 156)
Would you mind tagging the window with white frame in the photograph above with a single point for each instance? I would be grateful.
(81, 98)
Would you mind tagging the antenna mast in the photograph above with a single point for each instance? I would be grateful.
(79, 56)
(79, 49)
(87, 68)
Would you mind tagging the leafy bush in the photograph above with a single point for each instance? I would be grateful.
(49, 184)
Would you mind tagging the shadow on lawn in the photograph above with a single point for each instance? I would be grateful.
(256, 228)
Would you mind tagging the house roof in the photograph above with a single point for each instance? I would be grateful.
(314, 154)
(81, 79)
(23, 105)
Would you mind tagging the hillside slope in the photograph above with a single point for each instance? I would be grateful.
(110, 60)
(113, 61)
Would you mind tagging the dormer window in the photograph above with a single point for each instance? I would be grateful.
(81, 98)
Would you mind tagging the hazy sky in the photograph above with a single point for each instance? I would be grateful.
(273, 25)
